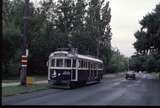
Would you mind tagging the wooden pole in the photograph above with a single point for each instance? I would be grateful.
(24, 55)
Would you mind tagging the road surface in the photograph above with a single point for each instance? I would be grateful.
(144, 91)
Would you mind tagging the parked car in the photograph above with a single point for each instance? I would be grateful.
(130, 75)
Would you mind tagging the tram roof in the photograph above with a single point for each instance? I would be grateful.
(89, 58)
(78, 55)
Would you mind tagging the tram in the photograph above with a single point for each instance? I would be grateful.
(68, 69)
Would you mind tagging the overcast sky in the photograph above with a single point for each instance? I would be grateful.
(126, 15)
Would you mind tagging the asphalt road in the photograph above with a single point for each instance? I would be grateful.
(144, 91)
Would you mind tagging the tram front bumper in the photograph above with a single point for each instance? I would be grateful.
(53, 82)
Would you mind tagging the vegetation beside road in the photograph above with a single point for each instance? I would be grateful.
(13, 90)
(51, 27)
(17, 79)
(147, 45)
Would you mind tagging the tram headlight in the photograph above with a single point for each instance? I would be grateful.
(53, 73)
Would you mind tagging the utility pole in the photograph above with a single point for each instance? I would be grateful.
(24, 55)
(98, 48)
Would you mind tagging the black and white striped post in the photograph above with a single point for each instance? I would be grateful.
(24, 55)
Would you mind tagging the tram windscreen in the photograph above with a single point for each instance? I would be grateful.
(59, 63)
(74, 63)
(53, 62)
(67, 63)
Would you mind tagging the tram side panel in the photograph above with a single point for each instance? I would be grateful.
(88, 75)
(82, 75)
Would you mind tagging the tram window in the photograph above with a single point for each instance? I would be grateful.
(83, 64)
(80, 63)
(96, 66)
(99, 65)
(86, 64)
(53, 61)
(93, 65)
(67, 63)
(74, 63)
(89, 64)
(59, 63)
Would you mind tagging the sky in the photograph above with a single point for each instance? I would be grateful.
(126, 15)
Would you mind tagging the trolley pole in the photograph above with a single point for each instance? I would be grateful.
(24, 55)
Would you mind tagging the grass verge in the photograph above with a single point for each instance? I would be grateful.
(35, 78)
(13, 90)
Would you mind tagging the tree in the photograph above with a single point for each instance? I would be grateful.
(148, 36)
(148, 42)
(117, 63)
(66, 23)
(12, 14)
(98, 28)
(65, 17)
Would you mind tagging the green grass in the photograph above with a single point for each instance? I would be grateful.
(35, 78)
(10, 81)
(38, 78)
(13, 90)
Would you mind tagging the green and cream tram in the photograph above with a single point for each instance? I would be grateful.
(72, 69)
